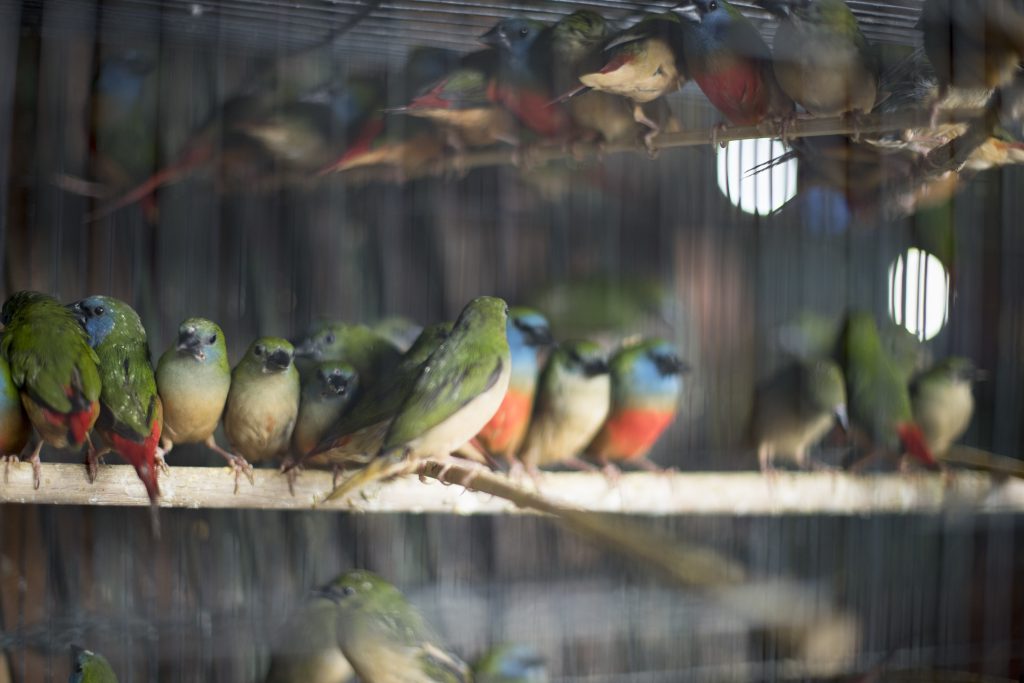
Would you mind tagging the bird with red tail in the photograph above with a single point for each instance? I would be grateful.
(53, 368)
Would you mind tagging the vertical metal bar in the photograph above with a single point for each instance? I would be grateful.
(10, 18)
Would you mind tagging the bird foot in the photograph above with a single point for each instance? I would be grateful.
(290, 469)
(717, 130)
(581, 465)
(240, 466)
(652, 149)
(93, 460)
(161, 460)
(8, 459)
(612, 474)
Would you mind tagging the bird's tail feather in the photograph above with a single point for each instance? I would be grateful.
(914, 443)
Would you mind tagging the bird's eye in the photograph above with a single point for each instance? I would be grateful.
(523, 31)
(712, 5)
(348, 591)
(329, 338)
(99, 310)
(258, 350)
(212, 339)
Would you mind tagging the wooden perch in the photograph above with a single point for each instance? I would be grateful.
(802, 127)
(739, 493)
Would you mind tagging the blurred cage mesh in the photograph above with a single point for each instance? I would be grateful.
(659, 241)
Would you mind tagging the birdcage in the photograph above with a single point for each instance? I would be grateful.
(267, 165)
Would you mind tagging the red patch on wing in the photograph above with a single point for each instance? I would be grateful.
(361, 145)
(738, 92)
(631, 432)
(914, 443)
(141, 456)
(77, 423)
(506, 429)
(432, 99)
(616, 62)
(532, 107)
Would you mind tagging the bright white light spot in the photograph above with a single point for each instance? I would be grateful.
(919, 293)
(759, 193)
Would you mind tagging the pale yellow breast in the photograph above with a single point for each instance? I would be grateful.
(571, 420)
(261, 416)
(193, 402)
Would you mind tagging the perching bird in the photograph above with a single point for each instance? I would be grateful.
(571, 405)
(90, 667)
(527, 332)
(877, 395)
(822, 59)
(403, 148)
(54, 369)
(359, 434)
(371, 354)
(795, 408)
(386, 639)
(510, 664)
(732, 65)
(644, 63)
(263, 402)
(523, 81)
(15, 429)
(973, 43)
(646, 381)
(131, 415)
(326, 395)
(943, 402)
(193, 378)
(307, 649)
(456, 392)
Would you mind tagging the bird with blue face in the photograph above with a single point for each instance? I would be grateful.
(571, 405)
(527, 332)
(646, 382)
(193, 378)
(90, 667)
(263, 402)
(131, 414)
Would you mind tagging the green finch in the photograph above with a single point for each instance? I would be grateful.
(193, 378)
(359, 434)
(571, 405)
(263, 402)
(326, 395)
(90, 667)
(527, 331)
(877, 394)
(308, 651)
(53, 368)
(386, 639)
(795, 408)
(510, 664)
(370, 353)
(455, 393)
(822, 59)
(15, 429)
(131, 415)
(646, 382)
(943, 402)
(732, 65)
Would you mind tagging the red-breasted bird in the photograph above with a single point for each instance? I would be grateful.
(527, 332)
(731, 63)
(822, 59)
(131, 415)
(644, 63)
(646, 381)
(877, 395)
(54, 369)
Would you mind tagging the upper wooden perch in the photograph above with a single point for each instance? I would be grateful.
(741, 493)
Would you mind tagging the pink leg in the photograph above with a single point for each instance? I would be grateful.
(237, 463)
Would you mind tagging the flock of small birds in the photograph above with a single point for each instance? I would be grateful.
(581, 80)
(361, 625)
(492, 387)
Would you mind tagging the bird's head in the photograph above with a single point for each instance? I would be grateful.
(335, 379)
(271, 354)
(200, 338)
(530, 325)
(101, 315)
(513, 36)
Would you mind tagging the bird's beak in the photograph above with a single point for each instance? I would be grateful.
(327, 592)
(688, 10)
(339, 383)
(189, 342)
(539, 337)
(495, 38)
(842, 417)
(595, 367)
(306, 348)
(76, 310)
(279, 360)
(780, 8)
(672, 365)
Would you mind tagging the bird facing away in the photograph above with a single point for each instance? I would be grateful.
(90, 667)
(943, 402)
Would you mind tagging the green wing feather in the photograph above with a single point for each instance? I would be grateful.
(129, 389)
(49, 354)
